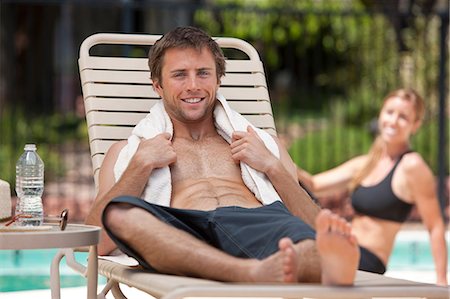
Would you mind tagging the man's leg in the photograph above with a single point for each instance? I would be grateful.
(255, 233)
(173, 251)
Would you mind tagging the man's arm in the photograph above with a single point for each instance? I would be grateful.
(249, 148)
(152, 153)
(294, 196)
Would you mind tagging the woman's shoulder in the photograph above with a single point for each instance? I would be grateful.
(413, 161)
(414, 168)
(418, 178)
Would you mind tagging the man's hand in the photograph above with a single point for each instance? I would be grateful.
(156, 152)
(250, 149)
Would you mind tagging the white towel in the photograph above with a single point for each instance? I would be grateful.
(226, 121)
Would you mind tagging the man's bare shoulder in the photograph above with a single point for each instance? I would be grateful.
(117, 147)
(112, 154)
(114, 150)
(106, 175)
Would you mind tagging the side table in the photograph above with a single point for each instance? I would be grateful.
(75, 235)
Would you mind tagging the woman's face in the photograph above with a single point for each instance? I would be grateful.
(397, 120)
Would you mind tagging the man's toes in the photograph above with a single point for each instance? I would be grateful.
(284, 243)
(323, 221)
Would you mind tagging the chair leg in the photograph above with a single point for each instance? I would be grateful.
(117, 292)
(113, 286)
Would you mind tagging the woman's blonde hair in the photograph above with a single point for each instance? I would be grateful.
(376, 149)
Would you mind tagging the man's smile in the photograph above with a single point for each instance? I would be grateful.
(192, 100)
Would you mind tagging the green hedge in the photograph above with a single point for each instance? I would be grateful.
(322, 150)
(325, 149)
(49, 133)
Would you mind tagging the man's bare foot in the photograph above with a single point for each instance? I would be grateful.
(338, 249)
(280, 266)
(290, 260)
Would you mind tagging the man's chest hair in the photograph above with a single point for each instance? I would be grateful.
(207, 158)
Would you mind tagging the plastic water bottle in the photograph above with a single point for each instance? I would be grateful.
(29, 187)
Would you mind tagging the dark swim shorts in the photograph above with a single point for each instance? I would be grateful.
(241, 232)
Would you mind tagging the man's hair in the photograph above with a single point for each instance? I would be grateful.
(184, 37)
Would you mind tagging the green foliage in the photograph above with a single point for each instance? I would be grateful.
(340, 67)
(296, 36)
(338, 55)
(49, 133)
(274, 24)
(321, 150)
(425, 143)
(359, 108)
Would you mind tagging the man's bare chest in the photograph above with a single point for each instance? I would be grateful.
(203, 159)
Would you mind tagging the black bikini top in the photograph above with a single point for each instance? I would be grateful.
(379, 201)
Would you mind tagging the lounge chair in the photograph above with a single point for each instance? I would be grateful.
(117, 94)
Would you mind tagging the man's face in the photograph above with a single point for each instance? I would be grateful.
(188, 84)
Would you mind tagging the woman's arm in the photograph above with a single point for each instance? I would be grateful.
(333, 180)
(422, 186)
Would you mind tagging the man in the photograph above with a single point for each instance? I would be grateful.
(215, 227)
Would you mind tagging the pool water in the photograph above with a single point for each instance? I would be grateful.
(411, 252)
(30, 269)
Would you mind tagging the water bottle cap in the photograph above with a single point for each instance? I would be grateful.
(30, 147)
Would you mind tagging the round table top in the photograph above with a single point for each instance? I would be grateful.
(75, 235)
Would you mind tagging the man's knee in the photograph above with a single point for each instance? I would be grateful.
(123, 216)
(116, 215)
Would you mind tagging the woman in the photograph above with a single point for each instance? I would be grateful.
(386, 183)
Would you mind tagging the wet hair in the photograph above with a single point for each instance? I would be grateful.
(184, 38)
(376, 150)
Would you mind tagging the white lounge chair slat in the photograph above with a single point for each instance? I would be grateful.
(114, 118)
(100, 146)
(144, 105)
(132, 118)
(141, 64)
(367, 285)
(146, 91)
(142, 77)
(112, 132)
(147, 39)
(109, 132)
(119, 104)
